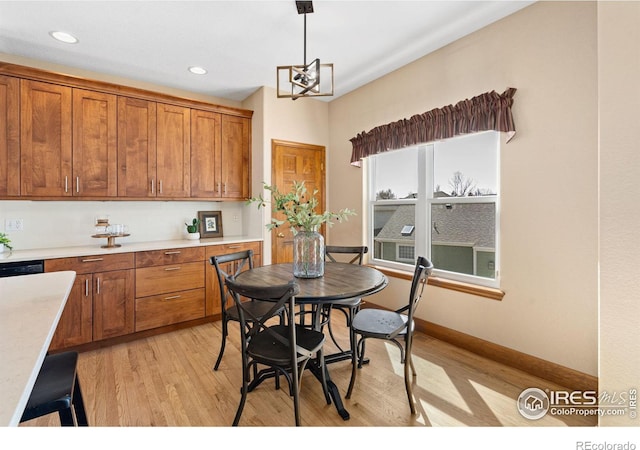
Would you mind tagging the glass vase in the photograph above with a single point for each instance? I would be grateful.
(308, 254)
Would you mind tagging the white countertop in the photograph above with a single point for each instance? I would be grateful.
(30, 308)
(64, 252)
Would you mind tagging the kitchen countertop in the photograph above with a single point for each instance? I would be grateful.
(127, 247)
(30, 308)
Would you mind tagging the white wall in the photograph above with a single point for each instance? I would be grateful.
(50, 224)
(304, 120)
(619, 103)
(549, 174)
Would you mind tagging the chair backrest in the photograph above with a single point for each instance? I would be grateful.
(355, 252)
(230, 265)
(282, 295)
(422, 271)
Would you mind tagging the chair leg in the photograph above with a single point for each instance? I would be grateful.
(222, 344)
(331, 335)
(407, 384)
(355, 362)
(66, 417)
(243, 390)
(78, 405)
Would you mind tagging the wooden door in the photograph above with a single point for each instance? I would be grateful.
(95, 165)
(9, 136)
(75, 325)
(113, 303)
(236, 157)
(173, 151)
(206, 158)
(295, 162)
(136, 148)
(45, 116)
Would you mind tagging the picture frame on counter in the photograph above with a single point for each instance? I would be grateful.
(210, 224)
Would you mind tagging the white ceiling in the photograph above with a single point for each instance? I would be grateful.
(239, 42)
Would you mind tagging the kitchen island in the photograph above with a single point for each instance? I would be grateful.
(30, 308)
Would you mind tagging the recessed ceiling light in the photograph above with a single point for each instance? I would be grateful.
(64, 37)
(197, 70)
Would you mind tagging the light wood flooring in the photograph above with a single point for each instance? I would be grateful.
(168, 381)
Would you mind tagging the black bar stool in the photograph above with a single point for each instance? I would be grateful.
(57, 389)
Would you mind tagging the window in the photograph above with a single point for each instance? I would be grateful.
(438, 200)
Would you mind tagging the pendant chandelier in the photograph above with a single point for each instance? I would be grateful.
(305, 80)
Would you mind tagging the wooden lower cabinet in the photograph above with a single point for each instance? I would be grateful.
(76, 323)
(101, 302)
(169, 287)
(126, 293)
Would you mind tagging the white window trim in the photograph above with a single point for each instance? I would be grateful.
(425, 190)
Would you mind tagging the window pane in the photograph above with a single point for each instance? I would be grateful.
(466, 165)
(396, 174)
(463, 238)
(389, 243)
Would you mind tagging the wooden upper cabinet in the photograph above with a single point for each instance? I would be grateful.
(136, 148)
(45, 137)
(9, 136)
(236, 157)
(95, 154)
(173, 151)
(206, 154)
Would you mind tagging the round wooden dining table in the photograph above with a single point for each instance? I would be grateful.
(340, 281)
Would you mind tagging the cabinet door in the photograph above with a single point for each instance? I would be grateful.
(173, 151)
(75, 325)
(9, 136)
(206, 154)
(94, 144)
(236, 157)
(45, 139)
(136, 148)
(113, 304)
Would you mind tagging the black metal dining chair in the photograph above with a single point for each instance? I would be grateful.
(231, 265)
(284, 348)
(392, 326)
(349, 307)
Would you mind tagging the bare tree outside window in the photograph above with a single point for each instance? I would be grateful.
(385, 194)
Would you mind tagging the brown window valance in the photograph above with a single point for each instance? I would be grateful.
(488, 111)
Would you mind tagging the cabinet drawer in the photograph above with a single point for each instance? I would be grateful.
(167, 309)
(224, 249)
(169, 256)
(91, 264)
(169, 278)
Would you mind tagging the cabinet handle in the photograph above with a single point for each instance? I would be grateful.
(153, 186)
(225, 188)
(92, 260)
(173, 297)
(160, 187)
(86, 288)
(77, 185)
(234, 246)
(66, 183)
(218, 188)
(97, 285)
(172, 268)
(175, 252)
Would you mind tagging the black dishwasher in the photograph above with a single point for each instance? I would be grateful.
(12, 269)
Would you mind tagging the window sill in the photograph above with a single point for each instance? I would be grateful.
(473, 289)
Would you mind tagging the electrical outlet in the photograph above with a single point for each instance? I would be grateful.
(13, 225)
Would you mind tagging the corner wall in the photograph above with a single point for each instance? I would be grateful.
(549, 174)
